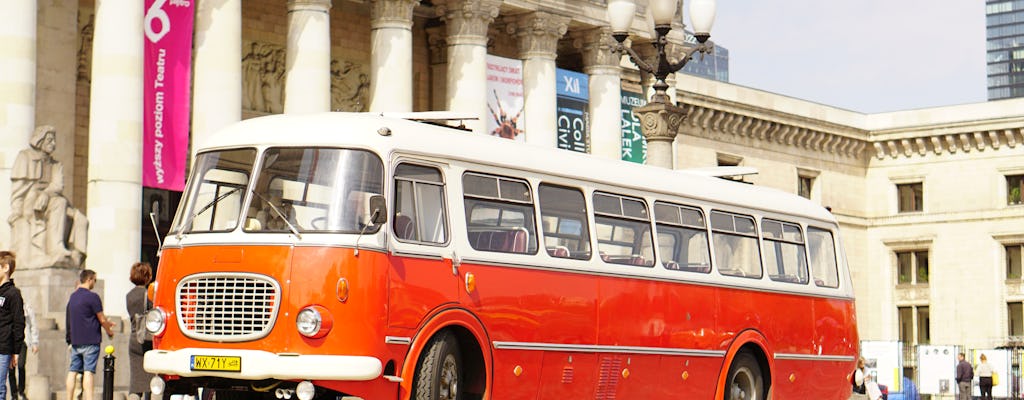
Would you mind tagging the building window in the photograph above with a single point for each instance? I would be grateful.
(1014, 187)
(1013, 261)
(730, 160)
(804, 189)
(915, 325)
(911, 197)
(912, 267)
(1015, 318)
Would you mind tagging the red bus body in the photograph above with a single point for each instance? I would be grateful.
(527, 326)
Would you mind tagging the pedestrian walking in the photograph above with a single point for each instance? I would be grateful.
(84, 318)
(16, 376)
(964, 376)
(138, 304)
(985, 378)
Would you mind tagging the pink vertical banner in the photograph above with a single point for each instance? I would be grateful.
(167, 74)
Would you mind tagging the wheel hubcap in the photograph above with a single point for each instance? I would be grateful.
(449, 385)
(742, 386)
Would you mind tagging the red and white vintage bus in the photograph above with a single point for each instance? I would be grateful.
(370, 256)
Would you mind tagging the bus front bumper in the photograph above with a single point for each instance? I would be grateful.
(257, 365)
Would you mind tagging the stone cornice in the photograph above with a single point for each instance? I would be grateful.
(391, 13)
(538, 33)
(945, 142)
(719, 122)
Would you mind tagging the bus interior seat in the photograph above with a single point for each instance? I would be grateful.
(506, 241)
(404, 227)
(672, 265)
(559, 251)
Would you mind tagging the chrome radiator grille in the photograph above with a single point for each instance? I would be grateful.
(226, 307)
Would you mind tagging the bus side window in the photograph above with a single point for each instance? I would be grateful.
(821, 250)
(499, 214)
(563, 214)
(735, 242)
(784, 252)
(682, 238)
(419, 212)
(623, 230)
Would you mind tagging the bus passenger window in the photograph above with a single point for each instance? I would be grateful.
(419, 214)
(822, 252)
(499, 214)
(784, 253)
(735, 242)
(623, 230)
(682, 238)
(563, 215)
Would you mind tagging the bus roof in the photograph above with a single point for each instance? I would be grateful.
(387, 134)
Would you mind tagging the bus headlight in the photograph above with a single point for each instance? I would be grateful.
(314, 322)
(156, 321)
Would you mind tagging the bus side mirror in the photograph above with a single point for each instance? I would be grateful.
(378, 210)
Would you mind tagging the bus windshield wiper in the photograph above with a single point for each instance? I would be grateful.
(188, 222)
(279, 215)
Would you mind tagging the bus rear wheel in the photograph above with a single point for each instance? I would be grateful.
(440, 371)
(745, 380)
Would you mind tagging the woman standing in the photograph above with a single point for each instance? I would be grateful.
(984, 372)
(139, 304)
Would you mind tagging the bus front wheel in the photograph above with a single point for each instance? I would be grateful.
(440, 371)
(745, 380)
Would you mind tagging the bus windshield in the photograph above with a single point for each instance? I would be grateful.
(215, 192)
(314, 190)
(296, 189)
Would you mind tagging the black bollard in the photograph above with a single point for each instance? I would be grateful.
(108, 374)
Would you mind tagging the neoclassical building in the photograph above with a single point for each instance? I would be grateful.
(929, 200)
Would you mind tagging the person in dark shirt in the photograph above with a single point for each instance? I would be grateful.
(964, 376)
(84, 318)
(12, 320)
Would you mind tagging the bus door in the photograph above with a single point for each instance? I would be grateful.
(422, 277)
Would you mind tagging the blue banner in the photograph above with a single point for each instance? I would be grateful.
(573, 119)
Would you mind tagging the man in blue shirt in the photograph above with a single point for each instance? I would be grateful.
(84, 318)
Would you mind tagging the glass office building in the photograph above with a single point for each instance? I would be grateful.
(713, 66)
(1005, 34)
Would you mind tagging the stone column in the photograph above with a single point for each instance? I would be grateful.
(115, 148)
(538, 33)
(438, 45)
(17, 94)
(467, 22)
(602, 64)
(391, 61)
(217, 85)
(308, 78)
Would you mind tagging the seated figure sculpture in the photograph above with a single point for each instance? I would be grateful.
(46, 231)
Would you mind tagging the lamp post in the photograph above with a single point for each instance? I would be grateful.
(660, 119)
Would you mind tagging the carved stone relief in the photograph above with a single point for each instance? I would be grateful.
(85, 31)
(263, 80)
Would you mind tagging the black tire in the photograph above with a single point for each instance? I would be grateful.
(440, 374)
(745, 379)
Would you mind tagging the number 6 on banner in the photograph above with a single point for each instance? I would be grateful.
(156, 11)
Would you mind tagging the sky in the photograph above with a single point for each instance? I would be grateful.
(862, 55)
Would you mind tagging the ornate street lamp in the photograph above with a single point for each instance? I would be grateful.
(660, 119)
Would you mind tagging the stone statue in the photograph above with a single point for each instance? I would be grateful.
(45, 230)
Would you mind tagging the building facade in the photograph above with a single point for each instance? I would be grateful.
(1004, 20)
(929, 200)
